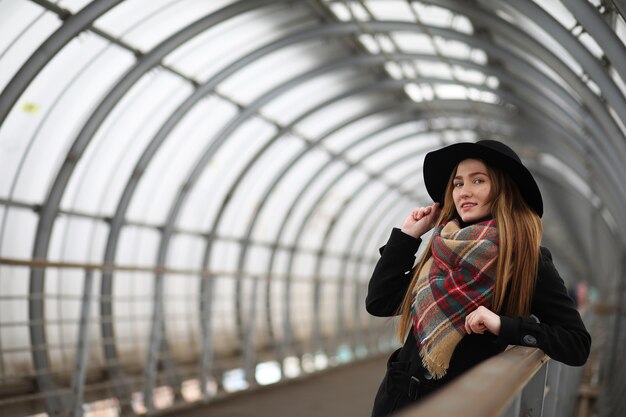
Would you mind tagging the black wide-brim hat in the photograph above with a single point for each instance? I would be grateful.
(438, 166)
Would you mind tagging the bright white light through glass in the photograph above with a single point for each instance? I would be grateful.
(235, 380)
(267, 373)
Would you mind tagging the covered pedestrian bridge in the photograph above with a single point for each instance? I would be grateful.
(193, 194)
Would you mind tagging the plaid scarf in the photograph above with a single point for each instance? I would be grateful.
(458, 278)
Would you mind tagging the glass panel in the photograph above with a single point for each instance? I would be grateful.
(225, 337)
(470, 76)
(308, 211)
(186, 252)
(450, 91)
(26, 121)
(394, 152)
(309, 94)
(25, 26)
(302, 310)
(216, 180)
(152, 26)
(253, 309)
(182, 315)
(398, 10)
(342, 191)
(63, 312)
(452, 48)
(415, 43)
(73, 6)
(433, 15)
(163, 176)
(462, 24)
(76, 239)
(356, 220)
(257, 261)
(283, 196)
(359, 130)
(132, 315)
(620, 28)
(18, 233)
(541, 35)
(247, 197)
(341, 11)
(358, 12)
(137, 246)
(108, 162)
(200, 58)
(392, 133)
(224, 256)
(332, 116)
(13, 310)
(435, 69)
(277, 68)
(559, 12)
(591, 45)
(69, 104)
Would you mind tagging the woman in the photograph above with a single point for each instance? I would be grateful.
(483, 283)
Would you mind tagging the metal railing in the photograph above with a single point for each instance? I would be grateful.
(518, 382)
(82, 375)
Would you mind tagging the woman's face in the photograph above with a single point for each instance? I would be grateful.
(472, 190)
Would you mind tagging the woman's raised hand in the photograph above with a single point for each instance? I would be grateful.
(421, 220)
(482, 319)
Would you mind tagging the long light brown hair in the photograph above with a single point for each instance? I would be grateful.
(519, 234)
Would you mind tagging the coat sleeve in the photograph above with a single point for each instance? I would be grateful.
(392, 274)
(555, 326)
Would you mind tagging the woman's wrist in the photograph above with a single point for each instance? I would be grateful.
(411, 233)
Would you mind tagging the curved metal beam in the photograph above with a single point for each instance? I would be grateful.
(582, 55)
(70, 28)
(611, 44)
(359, 246)
(50, 208)
(11, 93)
(596, 109)
(50, 215)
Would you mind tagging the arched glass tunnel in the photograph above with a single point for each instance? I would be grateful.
(193, 193)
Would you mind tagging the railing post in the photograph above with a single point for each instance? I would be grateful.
(80, 369)
(249, 353)
(531, 403)
(487, 389)
(553, 384)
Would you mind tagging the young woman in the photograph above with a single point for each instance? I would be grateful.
(483, 283)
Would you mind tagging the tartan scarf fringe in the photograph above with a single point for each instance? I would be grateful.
(458, 278)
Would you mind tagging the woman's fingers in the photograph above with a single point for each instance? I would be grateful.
(469, 325)
(482, 319)
(419, 213)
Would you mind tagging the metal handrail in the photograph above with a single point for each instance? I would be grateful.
(487, 389)
(197, 272)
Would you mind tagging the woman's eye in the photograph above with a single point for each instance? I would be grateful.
(458, 184)
(479, 181)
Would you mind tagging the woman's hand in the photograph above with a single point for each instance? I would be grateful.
(482, 319)
(421, 220)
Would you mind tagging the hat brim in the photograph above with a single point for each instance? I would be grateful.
(438, 166)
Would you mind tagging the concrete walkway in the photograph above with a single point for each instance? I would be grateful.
(346, 391)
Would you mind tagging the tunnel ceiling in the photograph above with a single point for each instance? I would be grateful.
(158, 138)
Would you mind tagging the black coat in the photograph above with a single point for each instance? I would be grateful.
(554, 326)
